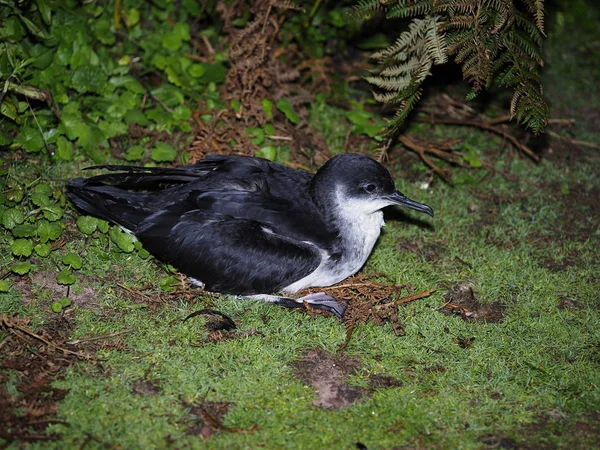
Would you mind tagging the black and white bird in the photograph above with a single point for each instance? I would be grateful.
(250, 227)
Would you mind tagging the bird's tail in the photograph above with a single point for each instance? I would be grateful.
(110, 203)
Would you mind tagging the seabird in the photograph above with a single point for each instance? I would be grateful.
(250, 227)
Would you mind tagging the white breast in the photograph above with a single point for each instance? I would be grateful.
(360, 227)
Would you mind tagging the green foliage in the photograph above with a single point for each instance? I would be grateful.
(285, 106)
(492, 40)
(163, 152)
(69, 60)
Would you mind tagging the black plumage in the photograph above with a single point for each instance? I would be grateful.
(245, 226)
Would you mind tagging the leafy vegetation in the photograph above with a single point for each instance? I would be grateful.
(491, 40)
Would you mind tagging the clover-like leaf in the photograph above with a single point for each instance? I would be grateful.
(87, 224)
(123, 240)
(135, 153)
(25, 230)
(285, 106)
(56, 307)
(40, 199)
(64, 149)
(267, 152)
(52, 212)
(47, 231)
(103, 226)
(11, 218)
(21, 268)
(72, 260)
(267, 106)
(3, 286)
(65, 277)
(65, 302)
(42, 250)
(21, 247)
(163, 153)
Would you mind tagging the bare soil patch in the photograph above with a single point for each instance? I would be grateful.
(327, 374)
(461, 301)
(28, 366)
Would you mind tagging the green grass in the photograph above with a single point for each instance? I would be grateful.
(539, 359)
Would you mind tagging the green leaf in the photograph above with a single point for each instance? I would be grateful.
(123, 240)
(87, 224)
(136, 116)
(88, 78)
(65, 302)
(214, 73)
(167, 284)
(72, 260)
(103, 31)
(103, 226)
(3, 286)
(56, 306)
(267, 106)
(132, 17)
(40, 199)
(268, 152)
(64, 149)
(286, 108)
(30, 139)
(472, 157)
(142, 252)
(21, 247)
(163, 153)
(196, 70)
(52, 212)
(172, 40)
(45, 11)
(21, 268)
(25, 230)
(43, 188)
(129, 83)
(11, 218)
(65, 277)
(47, 231)
(182, 113)
(42, 250)
(257, 135)
(269, 130)
(135, 153)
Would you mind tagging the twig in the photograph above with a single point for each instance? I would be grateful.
(280, 138)
(421, 150)
(102, 336)
(215, 423)
(349, 332)
(410, 298)
(14, 328)
(133, 291)
(484, 126)
(573, 141)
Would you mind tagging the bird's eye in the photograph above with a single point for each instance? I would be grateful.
(370, 188)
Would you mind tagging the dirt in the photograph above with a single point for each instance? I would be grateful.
(327, 374)
(206, 417)
(460, 300)
(33, 286)
(28, 367)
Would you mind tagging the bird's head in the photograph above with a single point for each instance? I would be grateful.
(359, 185)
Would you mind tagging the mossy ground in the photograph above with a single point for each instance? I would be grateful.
(527, 381)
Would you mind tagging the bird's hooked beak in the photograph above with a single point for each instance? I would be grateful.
(400, 199)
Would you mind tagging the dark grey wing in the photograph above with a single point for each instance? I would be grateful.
(229, 255)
